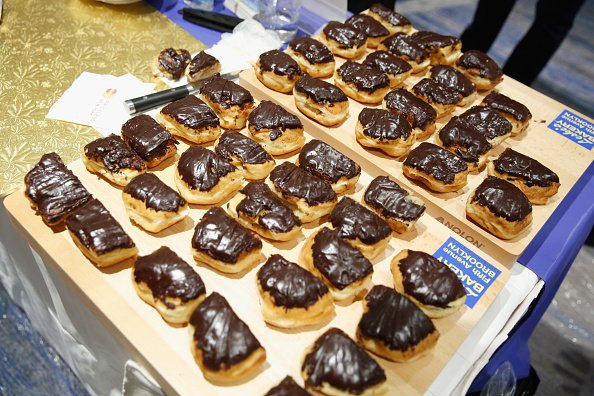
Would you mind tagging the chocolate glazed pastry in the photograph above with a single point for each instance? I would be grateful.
(361, 82)
(245, 153)
(420, 114)
(172, 63)
(149, 139)
(313, 57)
(442, 98)
(230, 101)
(374, 30)
(480, 69)
(190, 118)
(279, 131)
(492, 125)
(466, 142)
(392, 20)
(403, 46)
(277, 70)
(450, 77)
(287, 387)
(442, 49)
(341, 38)
(515, 112)
(54, 191)
(320, 100)
(387, 131)
(397, 69)
(201, 66)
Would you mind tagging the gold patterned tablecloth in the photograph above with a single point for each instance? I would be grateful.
(44, 46)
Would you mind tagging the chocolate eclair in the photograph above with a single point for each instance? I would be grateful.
(404, 47)
(313, 57)
(290, 296)
(420, 114)
(171, 63)
(391, 20)
(437, 168)
(480, 68)
(229, 100)
(246, 154)
(492, 125)
(393, 327)
(98, 235)
(387, 131)
(396, 68)
(515, 112)
(442, 98)
(224, 244)
(324, 161)
(538, 182)
(452, 78)
(428, 282)
(190, 118)
(499, 207)
(336, 365)
(166, 282)
(53, 190)
(375, 31)
(287, 387)
(344, 40)
(442, 49)
(277, 130)
(363, 83)
(466, 142)
(321, 101)
(222, 344)
(201, 66)
(277, 70)
(149, 139)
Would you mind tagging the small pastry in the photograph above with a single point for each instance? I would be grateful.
(204, 178)
(387, 131)
(171, 63)
(153, 143)
(466, 142)
(152, 204)
(393, 327)
(393, 203)
(499, 207)
(308, 195)
(260, 210)
(222, 344)
(53, 190)
(492, 125)
(449, 77)
(397, 69)
(166, 282)
(277, 70)
(344, 40)
(98, 235)
(420, 114)
(277, 130)
(312, 56)
(320, 100)
(363, 83)
(202, 66)
(344, 269)
(428, 282)
(230, 101)
(287, 387)
(375, 31)
(538, 182)
(442, 98)
(190, 118)
(391, 20)
(336, 365)
(324, 161)
(515, 112)
(290, 296)
(246, 154)
(436, 167)
(404, 47)
(481, 69)
(442, 49)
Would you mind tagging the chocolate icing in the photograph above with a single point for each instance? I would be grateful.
(192, 113)
(450, 77)
(402, 45)
(387, 62)
(168, 276)
(502, 198)
(225, 93)
(432, 40)
(436, 161)
(96, 229)
(155, 194)
(320, 91)
(468, 143)
(384, 125)
(417, 112)
(235, 145)
(223, 339)
(367, 24)
(507, 105)
(394, 320)
(287, 387)
(222, 238)
(147, 137)
(345, 35)
(327, 163)
(532, 172)
(487, 121)
(339, 262)
(201, 61)
(174, 61)
(290, 285)
(314, 51)
(279, 63)
(475, 59)
(112, 152)
(434, 92)
(387, 197)
(429, 281)
(292, 181)
(54, 189)
(271, 116)
(365, 78)
(337, 360)
(389, 15)
(201, 169)
(354, 221)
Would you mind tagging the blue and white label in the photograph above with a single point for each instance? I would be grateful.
(575, 128)
(475, 273)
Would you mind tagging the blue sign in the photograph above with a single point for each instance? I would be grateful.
(575, 128)
(475, 273)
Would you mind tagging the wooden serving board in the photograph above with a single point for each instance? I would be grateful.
(164, 350)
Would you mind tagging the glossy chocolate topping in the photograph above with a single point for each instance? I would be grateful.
(532, 172)
(54, 189)
(417, 112)
(450, 77)
(263, 204)
(337, 360)
(147, 137)
(223, 339)
(192, 113)
(500, 102)
(339, 262)
(387, 197)
(96, 229)
(320, 91)
(155, 194)
(389, 15)
(168, 276)
(290, 285)
(345, 35)
(429, 281)
(222, 238)
(468, 143)
(431, 40)
(384, 125)
(201, 169)
(354, 221)
(327, 163)
(367, 24)
(436, 162)
(287, 387)
(394, 320)
(487, 121)
(279, 63)
(271, 116)
(502, 198)
(236, 145)
(475, 59)
(387, 62)
(201, 61)
(225, 93)
(112, 152)
(293, 181)
(434, 92)
(402, 45)
(314, 51)
(174, 61)
(365, 78)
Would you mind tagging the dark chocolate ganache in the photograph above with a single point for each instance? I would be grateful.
(367, 24)
(402, 45)
(287, 387)
(345, 35)
(155, 194)
(487, 67)
(201, 169)
(327, 163)
(174, 61)
(202, 61)
(339, 361)
(236, 145)
(96, 229)
(273, 117)
(192, 113)
(54, 189)
(320, 91)
(312, 50)
(290, 285)
(223, 339)
(417, 112)
(434, 92)
(114, 154)
(387, 62)
(222, 238)
(502, 103)
(533, 173)
(147, 137)
(432, 40)
(354, 221)
(436, 162)
(394, 18)
(487, 121)
(467, 143)
(363, 77)
(502, 198)
(279, 63)
(391, 200)
(384, 125)
(450, 77)
(225, 93)
(292, 181)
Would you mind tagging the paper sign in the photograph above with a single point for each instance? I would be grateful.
(574, 128)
